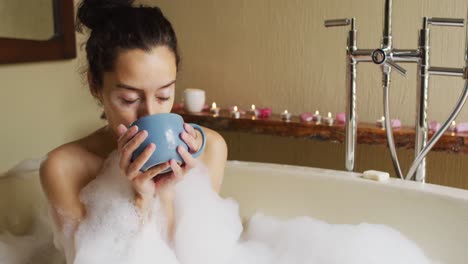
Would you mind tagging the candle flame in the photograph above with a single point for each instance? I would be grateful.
(317, 112)
(454, 123)
(286, 111)
(329, 115)
(213, 106)
(235, 108)
(253, 107)
(383, 118)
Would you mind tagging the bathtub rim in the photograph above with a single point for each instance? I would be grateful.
(393, 183)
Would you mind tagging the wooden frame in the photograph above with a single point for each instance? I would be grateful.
(61, 46)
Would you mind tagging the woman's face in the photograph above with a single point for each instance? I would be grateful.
(142, 84)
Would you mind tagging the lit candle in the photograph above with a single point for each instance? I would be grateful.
(317, 117)
(286, 116)
(329, 119)
(453, 126)
(381, 122)
(235, 112)
(253, 111)
(214, 109)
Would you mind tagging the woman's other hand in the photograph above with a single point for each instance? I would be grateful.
(193, 139)
(129, 140)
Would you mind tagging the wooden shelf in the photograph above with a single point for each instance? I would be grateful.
(366, 133)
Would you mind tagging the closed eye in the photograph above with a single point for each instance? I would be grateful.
(164, 98)
(129, 102)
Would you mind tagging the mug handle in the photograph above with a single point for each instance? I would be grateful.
(200, 129)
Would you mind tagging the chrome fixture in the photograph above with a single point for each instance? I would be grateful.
(387, 57)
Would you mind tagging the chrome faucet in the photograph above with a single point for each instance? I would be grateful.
(387, 57)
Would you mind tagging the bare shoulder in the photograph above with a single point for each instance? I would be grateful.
(65, 171)
(215, 156)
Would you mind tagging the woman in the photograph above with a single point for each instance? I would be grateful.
(133, 60)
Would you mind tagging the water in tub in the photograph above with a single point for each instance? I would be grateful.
(208, 230)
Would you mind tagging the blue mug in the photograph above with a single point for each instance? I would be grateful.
(164, 131)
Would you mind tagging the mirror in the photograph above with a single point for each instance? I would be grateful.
(18, 23)
(48, 34)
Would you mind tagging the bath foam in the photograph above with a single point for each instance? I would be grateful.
(208, 227)
(112, 231)
(208, 230)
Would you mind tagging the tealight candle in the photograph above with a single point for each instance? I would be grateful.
(381, 122)
(305, 117)
(395, 123)
(286, 116)
(253, 111)
(453, 126)
(264, 112)
(235, 112)
(328, 119)
(341, 118)
(434, 126)
(462, 127)
(214, 109)
(317, 117)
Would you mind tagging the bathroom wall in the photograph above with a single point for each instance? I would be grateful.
(278, 53)
(268, 52)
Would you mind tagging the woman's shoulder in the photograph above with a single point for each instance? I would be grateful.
(214, 141)
(215, 156)
(67, 169)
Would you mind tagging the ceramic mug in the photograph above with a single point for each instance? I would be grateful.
(194, 100)
(164, 131)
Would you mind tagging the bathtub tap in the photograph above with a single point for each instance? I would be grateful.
(388, 57)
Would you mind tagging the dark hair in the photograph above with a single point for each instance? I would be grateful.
(115, 26)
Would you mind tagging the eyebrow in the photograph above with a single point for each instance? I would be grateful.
(128, 87)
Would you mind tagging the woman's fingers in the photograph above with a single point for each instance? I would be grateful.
(133, 169)
(153, 171)
(121, 129)
(178, 171)
(190, 138)
(127, 150)
(189, 161)
(126, 136)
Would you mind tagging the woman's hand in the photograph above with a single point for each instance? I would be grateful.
(129, 140)
(194, 141)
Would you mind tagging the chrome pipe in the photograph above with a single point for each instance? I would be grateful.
(456, 72)
(451, 22)
(386, 70)
(362, 55)
(466, 45)
(337, 22)
(406, 55)
(387, 31)
(422, 130)
(351, 117)
(421, 156)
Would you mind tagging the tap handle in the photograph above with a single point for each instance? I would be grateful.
(451, 22)
(397, 67)
(338, 22)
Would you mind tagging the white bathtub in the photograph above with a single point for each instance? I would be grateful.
(435, 217)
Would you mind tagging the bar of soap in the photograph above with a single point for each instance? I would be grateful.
(376, 175)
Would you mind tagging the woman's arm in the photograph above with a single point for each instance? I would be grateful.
(61, 181)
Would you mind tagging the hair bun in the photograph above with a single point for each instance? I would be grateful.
(93, 13)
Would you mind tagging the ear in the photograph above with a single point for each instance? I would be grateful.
(93, 87)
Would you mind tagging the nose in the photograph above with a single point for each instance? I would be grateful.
(146, 109)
